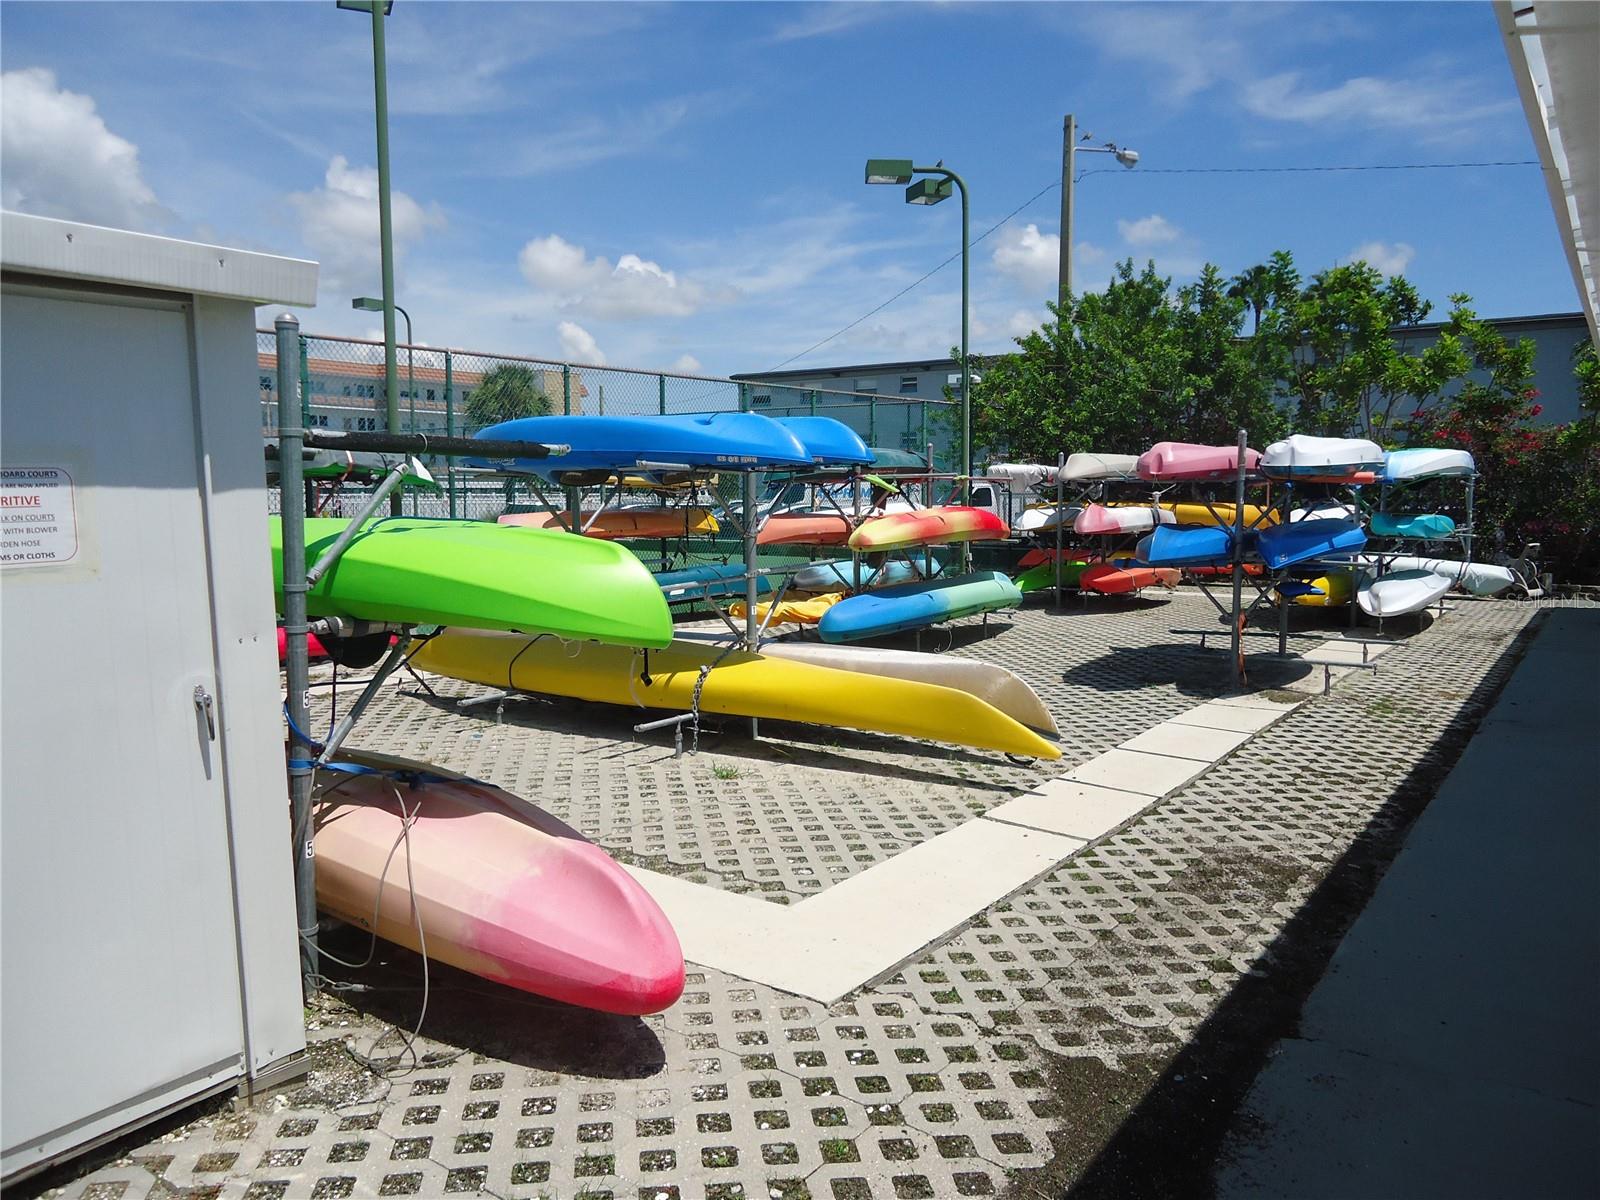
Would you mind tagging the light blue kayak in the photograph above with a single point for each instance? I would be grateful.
(1297, 541)
(1423, 526)
(915, 605)
(726, 579)
(1422, 462)
(1189, 546)
(841, 573)
(830, 443)
(731, 441)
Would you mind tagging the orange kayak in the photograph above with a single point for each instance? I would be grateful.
(619, 524)
(1111, 580)
(804, 529)
(929, 527)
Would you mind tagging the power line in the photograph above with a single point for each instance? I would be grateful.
(1056, 184)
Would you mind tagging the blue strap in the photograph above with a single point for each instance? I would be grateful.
(403, 774)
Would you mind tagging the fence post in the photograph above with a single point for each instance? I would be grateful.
(924, 407)
(811, 395)
(308, 488)
(450, 428)
(661, 392)
(872, 422)
(566, 389)
(744, 398)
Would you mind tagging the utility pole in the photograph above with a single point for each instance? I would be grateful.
(1069, 143)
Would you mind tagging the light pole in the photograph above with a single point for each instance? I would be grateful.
(1070, 149)
(374, 304)
(931, 191)
(380, 95)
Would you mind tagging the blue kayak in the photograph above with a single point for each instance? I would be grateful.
(830, 443)
(1423, 526)
(729, 441)
(1189, 546)
(726, 579)
(841, 573)
(915, 605)
(1296, 541)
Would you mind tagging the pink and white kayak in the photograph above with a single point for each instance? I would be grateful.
(1186, 461)
(1098, 519)
(928, 527)
(503, 889)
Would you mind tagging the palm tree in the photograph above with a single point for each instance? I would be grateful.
(1254, 287)
(507, 391)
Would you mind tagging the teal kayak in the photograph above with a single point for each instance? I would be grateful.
(722, 579)
(913, 605)
(473, 574)
(1422, 526)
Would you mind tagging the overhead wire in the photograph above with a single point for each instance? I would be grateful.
(1056, 184)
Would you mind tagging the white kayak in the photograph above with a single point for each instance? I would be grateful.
(1021, 475)
(1300, 454)
(993, 684)
(1400, 592)
(1091, 468)
(1096, 519)
(1481, 579)
(1317, 512)
(1426, 463)
(1045, 516)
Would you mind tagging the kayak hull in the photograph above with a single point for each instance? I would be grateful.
(1301, 456)
(1085, 467)
(1098, 519)
(1400, 592)
(1283, 545)
(723, 579)
(1332, 591)
(1186, 461)
(503, 889)
(619, 524)
(1425, 463)
(437, 571)
(804, 529)
(1111, 580)
(916, 605)
(928, 527)
(828, 442)
(1041, 575)
(740, 684)
(694, 441)
(840, 574)
(1480, 579)
(1179, 546)
(1425, 527)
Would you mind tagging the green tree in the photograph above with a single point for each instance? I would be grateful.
(1344, 348)
(1255, 287)
(507, 391)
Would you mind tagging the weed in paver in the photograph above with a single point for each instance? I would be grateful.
(333, 1187)
(788, 1189)
(885, 1114)
(713, 1122)
(658, 1160)
(819, 1086)
(530, 1172)
(261, 1189)
(839, 1150)
(405, 1183)
(827, 1117)
(534, 1139)
(913, 1187)
(473, 1143)
(222, 1160)
(971, 1183)
(852, 1189)
(347, 1152)
(594, 1164)
(725, 771)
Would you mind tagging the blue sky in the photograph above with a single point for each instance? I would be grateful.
(680, 186)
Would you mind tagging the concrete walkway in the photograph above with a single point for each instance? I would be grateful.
(1453, 1048)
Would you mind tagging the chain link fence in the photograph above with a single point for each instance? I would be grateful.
(458, 392)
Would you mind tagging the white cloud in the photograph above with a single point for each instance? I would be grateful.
(578, 345)
(820, 20)
(1389, 258)
(339, 222)
(687, 364)
(1148, 231)
(62, 161)
(1031, 258)
(634, 287)
(1419, 104)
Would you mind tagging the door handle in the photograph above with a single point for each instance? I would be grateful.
(202, 702)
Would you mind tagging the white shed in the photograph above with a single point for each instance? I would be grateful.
(149, 943)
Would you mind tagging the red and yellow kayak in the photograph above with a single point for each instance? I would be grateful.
(929, 527)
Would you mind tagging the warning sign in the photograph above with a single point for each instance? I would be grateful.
(38, 517)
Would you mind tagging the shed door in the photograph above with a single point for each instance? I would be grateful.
(121, 989)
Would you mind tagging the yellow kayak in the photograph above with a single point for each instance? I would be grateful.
(740, 684)
(1190, 513)
(1336, 590)
(792, 612)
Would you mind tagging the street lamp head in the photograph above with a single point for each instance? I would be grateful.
(363, 6)
(367, 304)
(888, 170)
(929, 191)
(1128, 158)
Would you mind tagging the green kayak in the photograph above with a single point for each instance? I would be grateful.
(1043, 575)
(422, 571)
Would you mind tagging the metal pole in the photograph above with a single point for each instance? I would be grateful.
(1061, 465)
(380, 96)
(411, 388)
(291, 479)
(1069, 151)
(574, 499)
(305, 416)
(661, 393)
(1466, 542)
(1238, 565)
(450, 425)
(751, 523)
